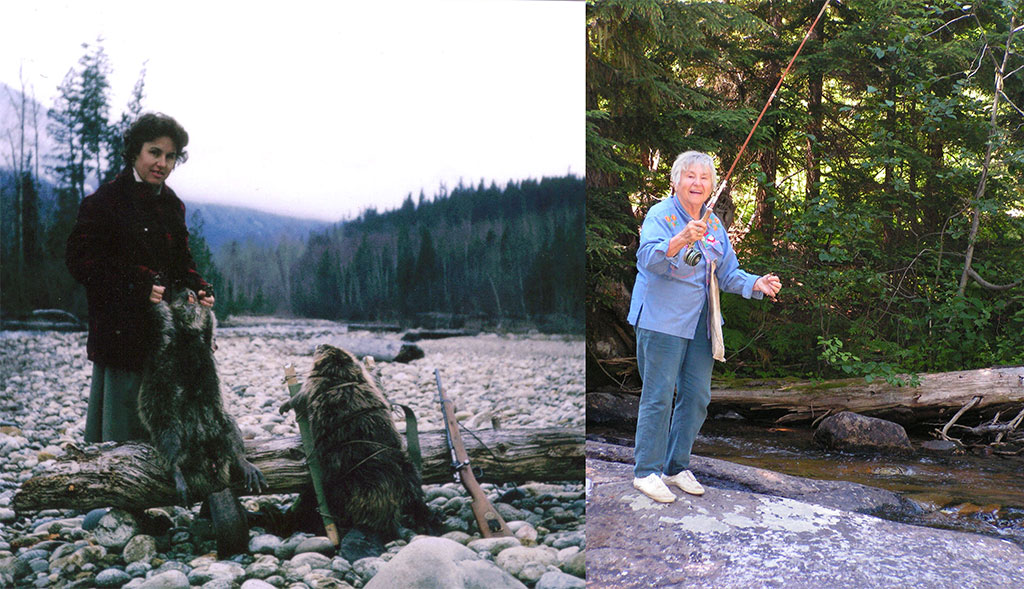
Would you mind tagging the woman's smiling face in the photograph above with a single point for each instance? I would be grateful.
(694, 187)
(156, 160)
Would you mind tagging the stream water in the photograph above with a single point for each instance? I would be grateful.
(975, 493)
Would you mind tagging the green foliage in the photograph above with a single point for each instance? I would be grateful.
(860, 204)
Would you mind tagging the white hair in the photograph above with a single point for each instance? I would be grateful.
(689, 158)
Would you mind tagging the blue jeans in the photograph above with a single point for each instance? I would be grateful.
(668, 363)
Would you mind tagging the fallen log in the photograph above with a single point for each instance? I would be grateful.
(382, 350)
(415, 335)
(938, 396)
(133, 476)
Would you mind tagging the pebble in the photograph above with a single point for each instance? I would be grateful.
(513, 380)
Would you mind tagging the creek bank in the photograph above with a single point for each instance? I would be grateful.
(733, 537)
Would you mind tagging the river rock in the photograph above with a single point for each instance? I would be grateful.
(220, 570)
(527, 563)
(114, 529)
(442, 563)
(263, 566)
(320, 544)
(858, 433)
(559, 580)
(265, 544)
(493, 545)
(139, 548)
(939, 446)
(257, 584)
(112, 578)
(172, 579)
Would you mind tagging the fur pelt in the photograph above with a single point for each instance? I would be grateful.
(369, 481)
(180, 401)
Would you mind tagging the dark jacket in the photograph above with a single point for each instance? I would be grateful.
(126, 240)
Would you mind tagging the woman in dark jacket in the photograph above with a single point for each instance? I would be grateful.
(129, 243)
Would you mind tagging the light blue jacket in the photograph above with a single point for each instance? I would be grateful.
(669, 294)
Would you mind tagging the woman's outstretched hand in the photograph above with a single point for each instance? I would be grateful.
(769, 284)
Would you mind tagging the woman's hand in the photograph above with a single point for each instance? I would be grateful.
(769, 284)
(157, 294)
(205, 299)
(692, 233)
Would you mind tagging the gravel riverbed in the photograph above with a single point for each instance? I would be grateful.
(529, 380)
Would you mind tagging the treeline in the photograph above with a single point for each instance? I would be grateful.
(41, 186)
(475, 253)
(885, 184)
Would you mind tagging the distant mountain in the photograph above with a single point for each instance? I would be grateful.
(223, 224)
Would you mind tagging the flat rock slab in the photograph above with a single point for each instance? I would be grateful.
(735, 538)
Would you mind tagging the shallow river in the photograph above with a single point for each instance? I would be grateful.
(981, 494)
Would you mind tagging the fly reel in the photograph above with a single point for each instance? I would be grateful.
(692, 256)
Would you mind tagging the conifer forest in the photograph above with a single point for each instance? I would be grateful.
(884, 185)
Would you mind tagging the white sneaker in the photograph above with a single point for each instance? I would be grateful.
(684, 481)
(652, 486)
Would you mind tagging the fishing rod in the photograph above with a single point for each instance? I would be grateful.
(692, 255)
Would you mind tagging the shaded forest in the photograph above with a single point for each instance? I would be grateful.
(484, 253)
(885, 184)
(502, 257)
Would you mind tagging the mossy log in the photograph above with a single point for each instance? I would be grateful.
(133, 476)
(938, 396)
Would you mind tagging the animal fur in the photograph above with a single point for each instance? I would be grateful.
(180, 402)
(369, 481)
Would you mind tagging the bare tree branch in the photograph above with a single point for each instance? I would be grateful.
(977, 278)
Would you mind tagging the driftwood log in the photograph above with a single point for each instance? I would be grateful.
(382, 350)
(939, 396)
(133, 476)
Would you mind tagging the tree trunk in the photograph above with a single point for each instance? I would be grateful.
(133, 476)
(938, 396)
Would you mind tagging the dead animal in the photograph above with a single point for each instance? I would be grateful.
(180, 402)
(369, 481)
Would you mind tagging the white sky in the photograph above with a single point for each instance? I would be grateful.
(321, 109)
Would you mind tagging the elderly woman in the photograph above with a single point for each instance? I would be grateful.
(130, 242)
(671, 311)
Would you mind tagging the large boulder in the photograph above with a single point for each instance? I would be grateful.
(440, 563)
(858, 433)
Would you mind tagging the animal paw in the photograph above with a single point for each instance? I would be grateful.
(255, 482)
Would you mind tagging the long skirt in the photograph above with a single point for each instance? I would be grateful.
(113, 406)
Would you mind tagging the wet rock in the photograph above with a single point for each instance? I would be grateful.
(939, 446)
(439, 562)
(367, 567)
(92, 519)
(852, 432)
(559, 580)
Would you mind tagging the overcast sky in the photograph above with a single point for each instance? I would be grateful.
(321, 109)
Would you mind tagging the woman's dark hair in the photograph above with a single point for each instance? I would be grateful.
(150, 126)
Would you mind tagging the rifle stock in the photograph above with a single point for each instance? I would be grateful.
(488, 519)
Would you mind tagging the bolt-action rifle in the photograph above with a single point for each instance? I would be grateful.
(490, 522)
